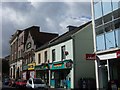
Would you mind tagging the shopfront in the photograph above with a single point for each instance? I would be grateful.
(109, 70)
(25, 72)
(42, 71)
(29, 71)
(60, 74)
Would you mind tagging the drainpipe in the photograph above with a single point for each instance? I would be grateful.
(94, 41)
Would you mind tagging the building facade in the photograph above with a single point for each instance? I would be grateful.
(106, 28)
(66, 64)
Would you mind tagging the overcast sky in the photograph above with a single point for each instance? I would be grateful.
(52, 17)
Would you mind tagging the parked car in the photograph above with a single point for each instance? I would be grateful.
(36, 83)
(20, 83)
(5, 81)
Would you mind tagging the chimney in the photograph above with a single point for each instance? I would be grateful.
(71, 27)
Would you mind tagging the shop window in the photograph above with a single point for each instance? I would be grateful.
(63, 52)
(53, 55)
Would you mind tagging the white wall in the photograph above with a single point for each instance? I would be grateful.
(42, 52)
(68, 47)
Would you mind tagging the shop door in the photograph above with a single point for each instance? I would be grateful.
(103, 77)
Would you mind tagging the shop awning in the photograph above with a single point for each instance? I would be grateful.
(43, 66)
(65, 64)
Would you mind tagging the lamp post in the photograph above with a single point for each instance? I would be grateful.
(94, 41)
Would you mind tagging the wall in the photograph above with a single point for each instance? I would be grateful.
(83, 44)
(42, 55)
(69, 47)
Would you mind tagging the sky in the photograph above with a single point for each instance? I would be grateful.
(52, 17)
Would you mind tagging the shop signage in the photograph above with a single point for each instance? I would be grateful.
(118, 54)
(90, 56)
(42, 67)
(57, 65)
(25, 67)
(31, 66)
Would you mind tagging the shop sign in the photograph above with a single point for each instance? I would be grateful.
(31, 66)
(118, 54)
(90, 56)
(25, 67)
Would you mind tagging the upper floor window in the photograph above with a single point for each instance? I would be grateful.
(98, 10)
(39, 58)
(115, 4)
(53, 55)
(63, 52)
(45, 55)
(107, 8)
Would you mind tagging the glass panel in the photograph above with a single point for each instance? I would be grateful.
(98, 22)
(116, 14)
(106, 7)
(117, 32)
(107, 18)
(99, 30)
(110, 40)
(98, 10)
(115, 4)
(100, 42)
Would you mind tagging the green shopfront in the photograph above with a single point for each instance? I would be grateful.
(60, 74)
(42, 71)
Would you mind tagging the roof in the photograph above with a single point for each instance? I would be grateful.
(66, 36)
(40, 38)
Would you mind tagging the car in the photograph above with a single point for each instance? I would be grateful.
(6, 81)
(20, 83)
(36, 83)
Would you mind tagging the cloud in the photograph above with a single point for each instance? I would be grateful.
(52, 17)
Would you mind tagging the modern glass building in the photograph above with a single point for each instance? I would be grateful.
(106, 26)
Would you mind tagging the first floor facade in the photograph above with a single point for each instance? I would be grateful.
(16, 69)
(108, 70)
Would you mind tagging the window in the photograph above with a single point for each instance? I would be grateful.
(115, 4)
(45, 55)
(106, 7)
(53, 55)
(110, 40)
(39, 58)
(63, 52)
(98, 9)
(100, 42)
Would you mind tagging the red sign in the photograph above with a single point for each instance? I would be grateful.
(118, 54)
(90, 56)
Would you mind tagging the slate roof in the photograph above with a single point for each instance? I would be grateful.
(62, 38)
(66, 36)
